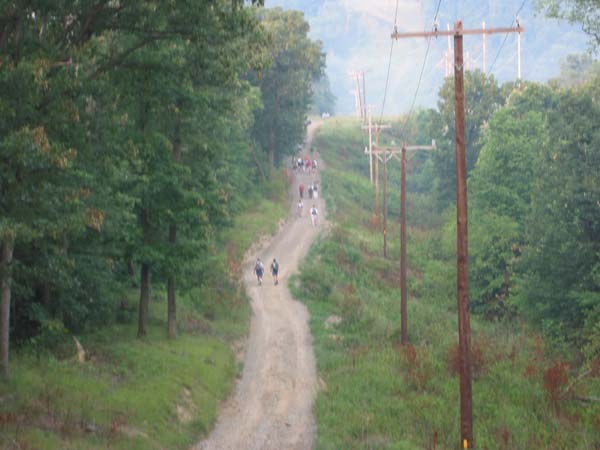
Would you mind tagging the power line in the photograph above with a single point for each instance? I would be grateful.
(506, 36)
(387, 78)
(437, 11)
(421, 74)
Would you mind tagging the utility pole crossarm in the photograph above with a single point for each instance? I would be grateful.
(376, 127)
(395, 150)
(457, 32)
(421, 147)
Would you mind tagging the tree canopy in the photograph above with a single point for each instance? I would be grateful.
(286, 86)
(129, 136)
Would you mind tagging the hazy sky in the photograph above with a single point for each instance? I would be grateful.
(356, 37)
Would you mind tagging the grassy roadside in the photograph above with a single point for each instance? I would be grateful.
(377, 395)
(153, 393)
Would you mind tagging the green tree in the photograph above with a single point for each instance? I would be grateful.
(586, 12)
(323, 100)
(482, 98)
(558, 283)
(102, 154)
(179, 94)
(576, 70)
(43, 196)
(285, 86)
(501, 186)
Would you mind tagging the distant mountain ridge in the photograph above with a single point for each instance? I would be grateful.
(356, 36)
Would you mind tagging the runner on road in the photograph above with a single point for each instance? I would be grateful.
(259, 270)
(313, 215)
(275, 270)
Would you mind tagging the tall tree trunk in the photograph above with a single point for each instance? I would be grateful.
(45, 294)
(144, 280)
(6, 255)
(171, 292)
(171, 281)
(257, 162)
(271, 152)
(144, 299)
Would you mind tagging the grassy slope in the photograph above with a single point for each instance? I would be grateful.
(130, 389)
(377, 395)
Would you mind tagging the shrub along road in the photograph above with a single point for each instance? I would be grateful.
(272, 405)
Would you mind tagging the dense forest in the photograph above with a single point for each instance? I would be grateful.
(132, 133)
(534, 213)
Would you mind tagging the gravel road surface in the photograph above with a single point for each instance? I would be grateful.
(271, 408)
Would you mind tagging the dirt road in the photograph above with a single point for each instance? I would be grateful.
(271, 408)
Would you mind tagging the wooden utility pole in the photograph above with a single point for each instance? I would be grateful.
(370, 147)
(462, 261)
(403, 262)
(364, 102)
(375, 128)
(464, 327)
(360, 100)
(370, 127)
(403, 290)
(388, 154)
(377, 204)
(385, 203)
(519, 56)
(377, 182)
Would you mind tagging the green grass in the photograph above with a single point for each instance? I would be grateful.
(128, 382)
(378, 395)
(128, 391)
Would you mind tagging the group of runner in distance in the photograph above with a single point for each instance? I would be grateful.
(305, 165)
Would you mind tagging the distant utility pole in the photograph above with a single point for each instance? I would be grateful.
(357, 94)
(484, 50)
(360, 97)
(360, 102)
(518, 55)
(376, 128)
(364, 115)
(388, 153)
(372, 127)
(403, 264)
(370, 146)
(385, 204)
(464, 327)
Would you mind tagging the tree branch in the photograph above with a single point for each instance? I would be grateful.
(121, 57)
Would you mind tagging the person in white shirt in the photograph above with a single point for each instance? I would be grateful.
(314, 212)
